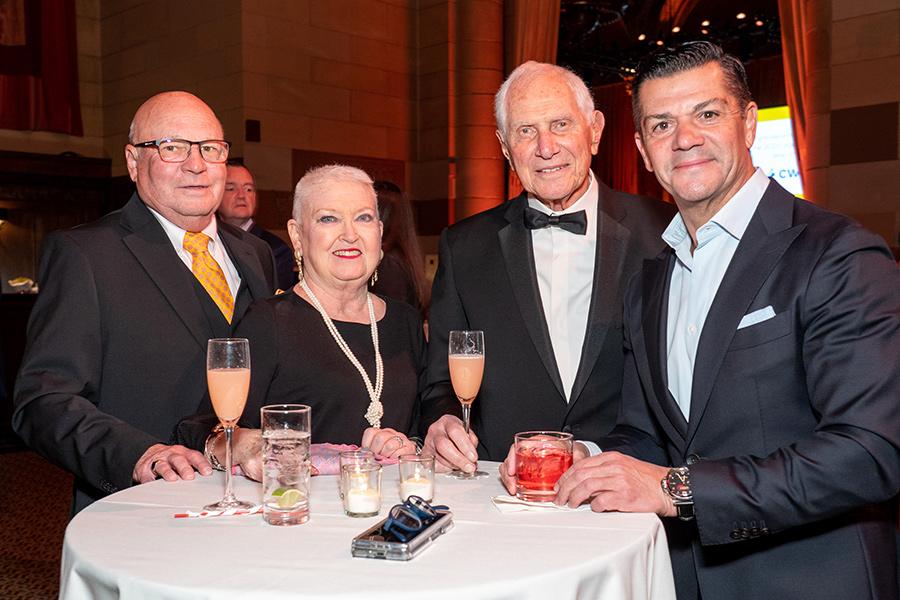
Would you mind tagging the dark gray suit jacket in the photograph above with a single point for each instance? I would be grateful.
(486, 280)
(794, 430)
(117, 344)
(284, 257)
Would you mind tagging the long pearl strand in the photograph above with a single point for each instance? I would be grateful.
(376, 408)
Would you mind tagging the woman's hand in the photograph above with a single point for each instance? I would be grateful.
(246, 451)
(387, 442)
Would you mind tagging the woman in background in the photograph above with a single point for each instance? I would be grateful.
(401, 274)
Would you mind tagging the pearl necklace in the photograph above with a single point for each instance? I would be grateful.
(375, 410)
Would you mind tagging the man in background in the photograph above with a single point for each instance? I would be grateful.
(116, 344)
(238, 208)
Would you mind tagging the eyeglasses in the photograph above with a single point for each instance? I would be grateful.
(175, 150)
(406, 520)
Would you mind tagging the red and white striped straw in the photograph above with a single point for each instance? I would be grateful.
(231, 512)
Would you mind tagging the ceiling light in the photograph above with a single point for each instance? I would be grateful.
(704, 31)
(659, 42)
(676, 29)
(759, 23)
(741, 15)
(642, 37)
(705, 23)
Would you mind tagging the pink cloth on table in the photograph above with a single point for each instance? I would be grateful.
(326, 458)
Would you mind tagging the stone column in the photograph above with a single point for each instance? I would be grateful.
(476, 76)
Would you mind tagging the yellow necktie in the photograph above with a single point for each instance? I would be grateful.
(209, 273)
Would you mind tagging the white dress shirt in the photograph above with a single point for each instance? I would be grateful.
(696, 278)
(216, 248)
(564, 263)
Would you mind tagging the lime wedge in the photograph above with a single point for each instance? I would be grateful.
(287, 497)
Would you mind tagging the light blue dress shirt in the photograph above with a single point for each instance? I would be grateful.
(696, 278)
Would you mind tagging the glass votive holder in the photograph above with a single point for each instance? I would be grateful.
(352, 457)
(361, 484)
(417, 476)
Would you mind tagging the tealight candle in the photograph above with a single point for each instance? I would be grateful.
(363, 501)
(362, 489)
(423, 487)
(417, 477)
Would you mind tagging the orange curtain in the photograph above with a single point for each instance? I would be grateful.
(531, 33)
(618, 163)
(796, 76)
(39, 66)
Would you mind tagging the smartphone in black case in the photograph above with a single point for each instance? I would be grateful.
(375, 542)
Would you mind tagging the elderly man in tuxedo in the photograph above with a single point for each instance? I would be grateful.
(117, 339)
(542, 275)
(760, 412)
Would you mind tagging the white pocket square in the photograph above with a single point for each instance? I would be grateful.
(757, 316)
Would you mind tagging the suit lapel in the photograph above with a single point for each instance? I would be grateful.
(656, 276)
(768, 236)
(520, 268)
(147, 241)
(246, 260)
(605, 307)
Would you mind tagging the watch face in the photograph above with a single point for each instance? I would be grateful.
(678, 482)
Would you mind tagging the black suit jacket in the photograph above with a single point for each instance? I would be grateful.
(116, 345)
(793, 439)
(284, 257)
(486, 280)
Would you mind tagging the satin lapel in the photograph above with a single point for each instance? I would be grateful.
(246, 259)
(768, 235)
(605, 308)
(518, 254)
(656, 276)
(151, 247)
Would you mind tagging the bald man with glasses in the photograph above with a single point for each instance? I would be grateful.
(116, 346)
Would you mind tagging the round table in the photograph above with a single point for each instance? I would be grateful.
(128, 545)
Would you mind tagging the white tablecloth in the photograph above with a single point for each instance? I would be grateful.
(128, 545)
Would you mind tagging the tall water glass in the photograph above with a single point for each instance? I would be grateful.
(228, 379)
(286, 463)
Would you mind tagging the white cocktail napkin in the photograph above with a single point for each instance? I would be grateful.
(508, 504)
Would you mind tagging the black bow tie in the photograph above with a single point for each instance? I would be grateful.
(575, 222)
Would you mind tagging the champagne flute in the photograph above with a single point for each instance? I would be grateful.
(228, 378)
(466, 360)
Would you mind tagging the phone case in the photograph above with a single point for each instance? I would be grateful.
(372, 543)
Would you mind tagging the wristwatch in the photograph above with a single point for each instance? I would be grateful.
(677, 486)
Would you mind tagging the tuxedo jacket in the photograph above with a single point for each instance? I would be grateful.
(285, 278)
(486, 280)
(116, 344)
(793, 440)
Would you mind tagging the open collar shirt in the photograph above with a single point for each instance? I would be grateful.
(696, 278)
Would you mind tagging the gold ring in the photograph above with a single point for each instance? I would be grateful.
(153, 467)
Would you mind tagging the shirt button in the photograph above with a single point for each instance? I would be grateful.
(692, 329)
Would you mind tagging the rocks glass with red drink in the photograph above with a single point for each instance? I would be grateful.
(541, 459)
